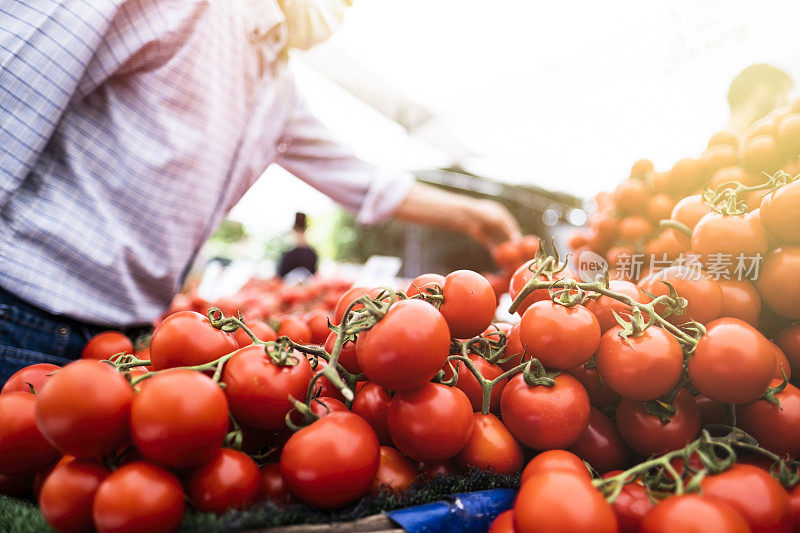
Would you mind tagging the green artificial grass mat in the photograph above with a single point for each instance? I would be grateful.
(23, 516)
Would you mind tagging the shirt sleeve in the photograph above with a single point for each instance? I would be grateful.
(311, 152)
(52, 51)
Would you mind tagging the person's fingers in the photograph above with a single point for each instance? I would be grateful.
(500, 223)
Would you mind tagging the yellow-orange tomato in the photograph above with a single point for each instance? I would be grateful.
(723, 138)
(634, 228)
(631, 196)
(760, 154)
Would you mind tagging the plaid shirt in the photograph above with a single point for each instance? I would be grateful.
(128, 128)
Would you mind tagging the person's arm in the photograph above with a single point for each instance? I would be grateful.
(314, 155)
(486, 221)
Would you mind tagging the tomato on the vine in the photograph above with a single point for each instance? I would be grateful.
(179, 418)
(777, 281)
(31, 376)
(702, 293)
(468, 303)
(331, 462)
(632, 504)
(105, 344)
(600, 394)
(780, 212)
(551, 460)
(543, 417)
(604, 307)
(347, 355)
(431, 423)
(640, 367)
(776, 428)
(426, 283)
(372, 404)
(732, 363)
(560, 337)
(740, 299)
(85, 409)
(258, 389)
(648, 435)
(559, 501)
(406, 348)
(136, 497)
(187, 338)
(395, 471)
(23, 449)
(601, 445)
(524, 274)
(271, 485)
(716, 233)
(690, 513)
(68, 492)
(468, 383)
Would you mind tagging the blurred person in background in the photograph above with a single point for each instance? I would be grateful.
(129, 128)
(753, 93)
(302, 255)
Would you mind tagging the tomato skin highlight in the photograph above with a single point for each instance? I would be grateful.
(406, 348)
(84, 409)
(67, 495)
(640, 367)
(491, 447)
(560, 337)
(257, 389)
(692, 513)
(545, 418)
(432, 423)
(733, 362)
(136, 497)
(331, 462)
(229, 480)
(271, 485)
(647, 435)
(559, 501)
(23, 448)
(193, 428)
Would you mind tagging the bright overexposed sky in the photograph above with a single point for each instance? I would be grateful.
(562, 95)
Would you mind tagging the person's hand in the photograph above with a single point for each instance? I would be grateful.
(490, 223)
(486, 221)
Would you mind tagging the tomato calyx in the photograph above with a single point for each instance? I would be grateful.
(725, 199)
(772, 392)
(543, 265)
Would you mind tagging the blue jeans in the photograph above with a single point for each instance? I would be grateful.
(30, 335)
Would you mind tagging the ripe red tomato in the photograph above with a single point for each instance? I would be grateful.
(601, 445)
(560, 337)
(258, 390)
(545, 418)
(559, 501)
(631, 196)
(229, 480)
(424, 283)
(711, 411)
(431, 423)
(603, 306)
(294, 328)
(740, 299)
(372, 404)
(504, 523)
(688, 211)
(780, 212)
(85, 408)
(347, 355)
(755, 494)
(23, 449)
(470, 386)
(469, 303)
(349, 297)
(648, 435)
(331, 462)
(395, 471)
(778, 281)
(775, 428)
(513, 350)
(272, 486)
(733, 362)
(631, 505)
(136, 497)
(788, 340)
(33, 375)
(703, 294)
(191, 430)
(729, 234)
(507, 255)
(690, 513)
(551, 460)
(317, 322)
(642, 367)
(521, 278)
(491, 447)
(794, 497)
(105, 344)
(187, 338)
(68, 492)
(783, 366)
(600, 394)
(406, 348)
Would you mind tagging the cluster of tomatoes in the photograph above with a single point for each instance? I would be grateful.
(222, 412)
(714, 209)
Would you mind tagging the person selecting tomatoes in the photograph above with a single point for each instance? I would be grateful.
(129, 130)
